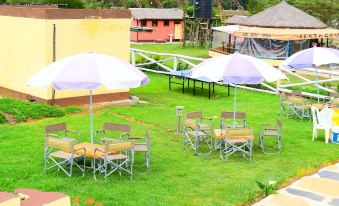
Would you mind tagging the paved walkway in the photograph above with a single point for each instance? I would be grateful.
(319, 189)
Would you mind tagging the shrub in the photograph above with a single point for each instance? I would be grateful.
(73, 110)
(22, 110)
(3, 119)
(75, 4)
(267, 188)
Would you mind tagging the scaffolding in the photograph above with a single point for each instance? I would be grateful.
(197, 32)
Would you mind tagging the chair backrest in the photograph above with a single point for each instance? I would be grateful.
(283, 94)
(192, 124)
(61, 127)
(296, 93)
(61, 144)
(295, 99)
(112, 147)
(325, 117)
(334, 95)
(230, 116)
(193, 115)
(236, 133)
(335, 103)
(117, 127)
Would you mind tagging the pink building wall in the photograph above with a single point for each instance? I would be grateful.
(160, 33)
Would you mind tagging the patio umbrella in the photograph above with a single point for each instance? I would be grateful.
(89, 71)
(315, 56)
(236, 69)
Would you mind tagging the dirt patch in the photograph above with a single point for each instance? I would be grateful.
(10, 118)
(129, 119)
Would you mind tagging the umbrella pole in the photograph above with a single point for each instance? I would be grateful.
(235, 104)
(316, 74)
(91, 114)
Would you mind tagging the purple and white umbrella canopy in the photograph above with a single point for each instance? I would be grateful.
(312, 57)
(236, 69)
(315, 56)
(89, 71)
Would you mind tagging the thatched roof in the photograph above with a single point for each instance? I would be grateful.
(235, 20)
(151, 13)
(284, 15)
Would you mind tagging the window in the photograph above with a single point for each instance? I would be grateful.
(154, 23)
(166, 23)
(143, 23)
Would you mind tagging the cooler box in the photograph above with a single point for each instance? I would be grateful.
(335, 135)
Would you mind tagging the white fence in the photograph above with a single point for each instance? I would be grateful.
(168, 63)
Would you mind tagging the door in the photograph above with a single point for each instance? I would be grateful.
(177, 30)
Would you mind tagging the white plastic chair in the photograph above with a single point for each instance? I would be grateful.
(321, 120)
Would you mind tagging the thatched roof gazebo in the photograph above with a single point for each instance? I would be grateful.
(284, 15)
(274, 33)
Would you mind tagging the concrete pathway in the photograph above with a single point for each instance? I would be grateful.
(320, 189)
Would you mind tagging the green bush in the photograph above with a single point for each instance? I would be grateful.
(267, 189)
(22, 111)
(75, 4)
(73, 110)
(3, 119)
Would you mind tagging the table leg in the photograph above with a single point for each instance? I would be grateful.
(228, 87)
(183, 85)
(194, 87)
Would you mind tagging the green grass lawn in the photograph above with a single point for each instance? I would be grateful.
(173, 49)
(176, 177)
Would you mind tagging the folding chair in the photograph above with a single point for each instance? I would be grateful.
(274, 131)
(113, 161)
(237, 140)
(205, 123)
(123, 132)
(195, 135)
(61, 152)
(298, 108)
(143, 147)
(227, 121)
(54, 130)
